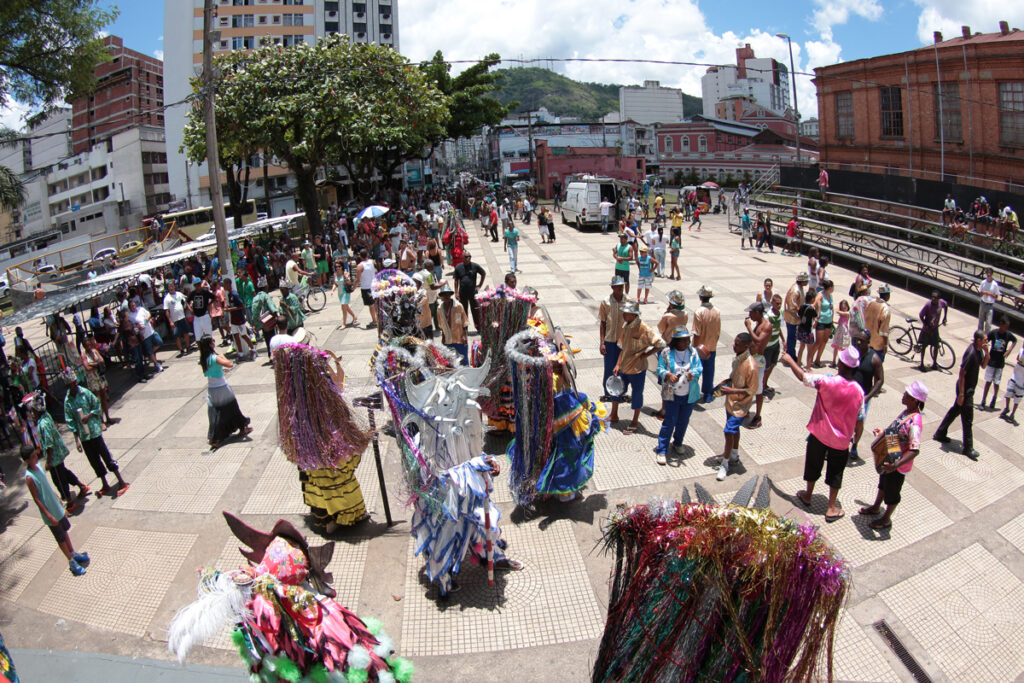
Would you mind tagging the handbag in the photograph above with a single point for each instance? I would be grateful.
(885, 447)
(261, 281)
(268, 321)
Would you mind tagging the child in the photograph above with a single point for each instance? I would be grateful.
(805, 329)
(841, 337)
(673, 250)
(645, 276)
(51, 509)
(696, 219)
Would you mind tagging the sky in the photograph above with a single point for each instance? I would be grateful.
(705, 32)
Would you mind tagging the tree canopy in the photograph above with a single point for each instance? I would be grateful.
(470, 107)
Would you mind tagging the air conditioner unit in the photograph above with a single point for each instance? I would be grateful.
(332, 13)
(386, 36)
(360, 35)
(360, 15)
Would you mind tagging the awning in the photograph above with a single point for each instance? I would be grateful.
(59, 301)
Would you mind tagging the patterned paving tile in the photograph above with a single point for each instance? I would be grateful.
(130, 574)
(1013, 531)
(261, 409)
(975, 484)
(145, 415)
(182, 481)
(965, 611)
(856, 657)
(549, 602)
(279, 492)
(25, 546)
(624, 461)
(914, 519)
(782, 436)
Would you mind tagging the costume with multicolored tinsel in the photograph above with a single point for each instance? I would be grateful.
(434, 405)
(553, 452)
(454, 237)
(287, 625)
(703, 592)
(504, 311)
(318, 431)
(398, 303)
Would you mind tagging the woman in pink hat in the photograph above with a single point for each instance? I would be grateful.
(907, 429)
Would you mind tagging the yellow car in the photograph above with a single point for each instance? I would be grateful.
(130, 249)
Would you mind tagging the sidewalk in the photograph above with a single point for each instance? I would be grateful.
(35, 666)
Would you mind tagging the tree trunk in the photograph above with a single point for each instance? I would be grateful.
(266, 183)
(239, 220)
(234, 193)
(306, 192)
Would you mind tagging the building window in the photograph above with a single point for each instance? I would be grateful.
(950, 111)
(669, 147)
(359, 29)
(276, 19)
(1011, 113)
(685, 140)
(892, 111)
(844, 114)
(702, 143)
(242, 21)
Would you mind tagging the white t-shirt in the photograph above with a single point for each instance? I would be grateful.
(174, 304)
(141, 317)
(291, 272)
(989, 291)
(279, 340)
(682, 359)
(366, 276)
(659, 241)
(605, 207)
(630, 235)
(526, 205)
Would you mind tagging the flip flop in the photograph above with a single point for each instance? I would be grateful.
(877, 525)
(508, 563)
(122, 489)
(754, 424)
(803, 502)
(630, 430)
(835, 518)
(867, 510)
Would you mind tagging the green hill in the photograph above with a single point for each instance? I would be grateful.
(534, 87)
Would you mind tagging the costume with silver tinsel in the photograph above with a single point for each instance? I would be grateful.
(434, 405)
(288, 626)
(398, 303)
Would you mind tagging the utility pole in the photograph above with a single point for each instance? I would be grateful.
(529, 140)
(212, 157)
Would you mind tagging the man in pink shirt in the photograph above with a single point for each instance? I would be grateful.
(833, 421)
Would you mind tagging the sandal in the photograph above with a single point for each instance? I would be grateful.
(800, 497)
(122, 489)
(835, 518)
(508, 563)
(879, 525)
(104, 491)
(631, 429)
(869, 510)
(755, 423)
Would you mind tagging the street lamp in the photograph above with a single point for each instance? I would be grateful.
(792, 77)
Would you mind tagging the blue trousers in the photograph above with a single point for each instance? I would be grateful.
(462, 350)
(611, 357)
(636, 383)
(791, 340)
(677, 419)
(708, 376)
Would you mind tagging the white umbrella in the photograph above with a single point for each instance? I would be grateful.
(372, 212)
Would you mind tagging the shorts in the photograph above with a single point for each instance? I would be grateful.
(823, 326)
(238, 329)
(202, 326)
(790, 240)
(864, 408)
(804, 337)
(890, 484)
(181, 329)
(60, 529)
(321, 267)
(771, 355)
(217, 321)
(1015, 387)
(832, 459)
(367, 297)
(746, 234)
(624, 274)
(732, 423)
(929, 338)
(151, 343)
(644, 281)
(994, 375)
(761, 366)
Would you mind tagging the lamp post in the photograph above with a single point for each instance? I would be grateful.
(792, 77)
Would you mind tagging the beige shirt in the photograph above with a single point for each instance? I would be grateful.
(452, 323)
(707, 327)
(634, 340)
(744, 376)
(426, 321)
(792, 303)
(670, 321)
(610, 313)
(876, 321)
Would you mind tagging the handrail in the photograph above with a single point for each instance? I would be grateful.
(808, 200)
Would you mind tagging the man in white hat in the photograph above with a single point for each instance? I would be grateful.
(610, 316)
(832, 425)
(707, 327)
(791, 310)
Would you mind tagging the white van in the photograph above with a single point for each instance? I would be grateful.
(582, 204)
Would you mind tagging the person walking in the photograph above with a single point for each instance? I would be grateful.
(659, 247)
(739, 392)
(707, 327)
(696, 219)
(225, 417)
(644, 273)
(637, 341)
(53, 513)
(176, 307)
(151, 339)
(605, 206)
(365, 272)
(975, 358)
(623, 253)
(83, 416)
(679, 369)
(837, 407)
(262, 304)
(746, 230)
(907, 429)
(988, 293)
(469, 277)
(511, 245)
(343, 286)
(1014, 389)
(54, 454)
(825, 306)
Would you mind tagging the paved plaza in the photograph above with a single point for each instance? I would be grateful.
(946, 579)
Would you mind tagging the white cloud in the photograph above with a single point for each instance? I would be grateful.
(159, 54)
(948, 16)
(12, 114)
(161, 39)
(830, 13)
(594, 29)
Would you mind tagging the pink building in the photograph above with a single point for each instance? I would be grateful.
(555, 163)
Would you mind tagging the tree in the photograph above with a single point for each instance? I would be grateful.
(49, 50)
(470, 108)
(312, 106)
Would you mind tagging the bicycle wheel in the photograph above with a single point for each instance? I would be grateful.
(946, 358)
(901, 341)
(316, 299)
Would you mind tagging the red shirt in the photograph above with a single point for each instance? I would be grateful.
(791, 228)
(494, 217)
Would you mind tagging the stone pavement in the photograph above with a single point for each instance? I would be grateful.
(947, 578)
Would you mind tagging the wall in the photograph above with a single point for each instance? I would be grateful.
(555, 163)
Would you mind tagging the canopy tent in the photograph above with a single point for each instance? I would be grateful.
(60, 300)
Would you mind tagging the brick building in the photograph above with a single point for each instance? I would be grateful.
(129, 92)
(555, 163)
(881, 115)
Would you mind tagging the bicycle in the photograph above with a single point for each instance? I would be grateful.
(312, 298)
(904, 342)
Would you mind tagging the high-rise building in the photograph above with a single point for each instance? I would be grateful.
(244, 25)
(762, 80)
(650, 103)
(129, 92)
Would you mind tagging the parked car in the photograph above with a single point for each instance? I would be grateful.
(522, 185)
(130, 248)
(104, 254)
(5, 288)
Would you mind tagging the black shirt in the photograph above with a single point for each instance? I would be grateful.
(200, 300)
(864, 375)
(319, 252)
(999, 341)
(971, 364)
(235, 301)
(467, 277)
